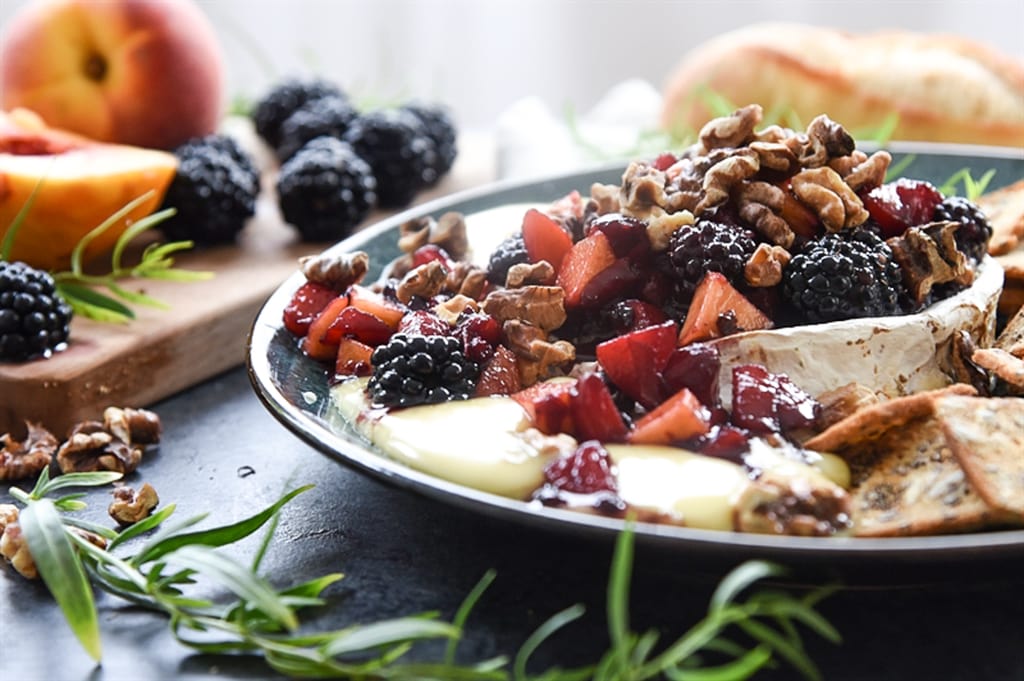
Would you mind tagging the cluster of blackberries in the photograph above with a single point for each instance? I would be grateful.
(34, 318)
(338, 163)
(412, 369)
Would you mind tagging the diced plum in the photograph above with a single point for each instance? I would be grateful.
(432, 253)
(715, 297)
(638, 314)
(545, 239)
(634, 361)
(387, 311)
(584, 261)
(680, 417)
(353, 358)
(615, 281)
(694, 366)
(664, 161)
(480, 334)
(764, 402)
(547, 405)
(308, 301)
(355, 323)
(500, 375)
(723, 441)
(314, 344)
(627, 235)
(594, 414)
(423, 323)
(900, 205)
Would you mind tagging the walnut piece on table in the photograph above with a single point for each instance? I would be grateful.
(131, 506)
(91, 447)
(12, 543)
(26, 459)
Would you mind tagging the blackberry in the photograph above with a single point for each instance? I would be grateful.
(325, 190)
(707, 245)
(331, 116)
(231, 147)
(509, 252)
(214, 195)
(403, 157)
(441, 129)
(283, 100)
(842, 276)
(410, 370)
(34, 318)
(974, 232)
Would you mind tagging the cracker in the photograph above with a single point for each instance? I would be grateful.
(872, 422)
(1011, 339)
(1005, 366)
(987, 437)
(909, 482)
(1004, 209)
(1012, 298)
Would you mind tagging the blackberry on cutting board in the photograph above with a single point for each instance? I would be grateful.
(328, 116)
(403, 157)
(511, 251)
(214, 195)
(34, 318)
(441, 129)
(709, 245)
(411, 369)
(232, 148)
(283, 100)
(974, 232)
(842, 276)
(325, 190)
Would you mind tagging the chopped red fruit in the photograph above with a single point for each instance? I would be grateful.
(594, 414)
(500, 375)
(569, 206)
(588, 470)
(432, 253)
(547, 404)
(353, 358)
(423, 323)
(634, 361)
(900, 205)
(615, 281)
(694, 366)
(586, 259)
(763, 402)
(680, 417)
(389, 312)
(480, 334)
(545, 239)
(314, 343)
(714, 298)
(627, 235)
(664, 161)
(638, 314)
(723, 441)
(355, 323)
(308, 301)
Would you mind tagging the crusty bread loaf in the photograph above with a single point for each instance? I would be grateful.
(943, 88)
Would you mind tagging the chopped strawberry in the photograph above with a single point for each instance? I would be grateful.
(545, 239)
(634, 361)
(585, 260)
(355, 323)
(389, 312)
(715, 300)
(680, 417)
(315, 343)
(500, 375)
(423, 323)
(588, 470)
(308, 301)
(353, 358)
(594, 414)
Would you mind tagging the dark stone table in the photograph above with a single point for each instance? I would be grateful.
(403, 554)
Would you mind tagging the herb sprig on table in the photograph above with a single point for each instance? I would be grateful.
(168, 561)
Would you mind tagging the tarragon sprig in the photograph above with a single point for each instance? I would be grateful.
(261, 619)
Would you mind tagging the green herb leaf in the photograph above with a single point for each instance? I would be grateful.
(218, 536)
(137, 228)
(12, 229)
(739, 579)
(898, 168)
(46, 486)
(367, 637)
(542, 633)
(118, 216)
(742, 668)
(93, 304)
(143, 526)
(462, 614)
(61, 570)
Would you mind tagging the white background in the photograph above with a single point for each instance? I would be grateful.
(480, 56)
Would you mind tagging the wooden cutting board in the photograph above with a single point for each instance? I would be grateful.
(201, 334)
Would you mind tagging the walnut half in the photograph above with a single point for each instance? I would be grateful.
(130, 506)
(20, 460)
(92, 448)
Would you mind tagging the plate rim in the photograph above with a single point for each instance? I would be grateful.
(356, 452)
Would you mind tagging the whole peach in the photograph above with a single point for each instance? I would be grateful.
(143, 72)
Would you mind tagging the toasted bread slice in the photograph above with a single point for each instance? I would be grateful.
(908, 482)
(987, 437)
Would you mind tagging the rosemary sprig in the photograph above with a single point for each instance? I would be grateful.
(261, 619)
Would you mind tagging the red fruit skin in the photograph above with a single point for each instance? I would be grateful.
(627, 235)
(370, 301)
(898, 206)
(695, 366)
(713, 297)
(594, 413)
(634, 361)
(423, 323)
(723, 441)
(547, 405)
(585, 260)
(588, 470)
(618, 279)
(308, 301)
(480, 334)
(314, 343)
(680, 417)
(545, 239)
(643, 314)
(500, 375)
(355, 323)
(353, 358)
(431, 253)
(664, 161)
(764, 402)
